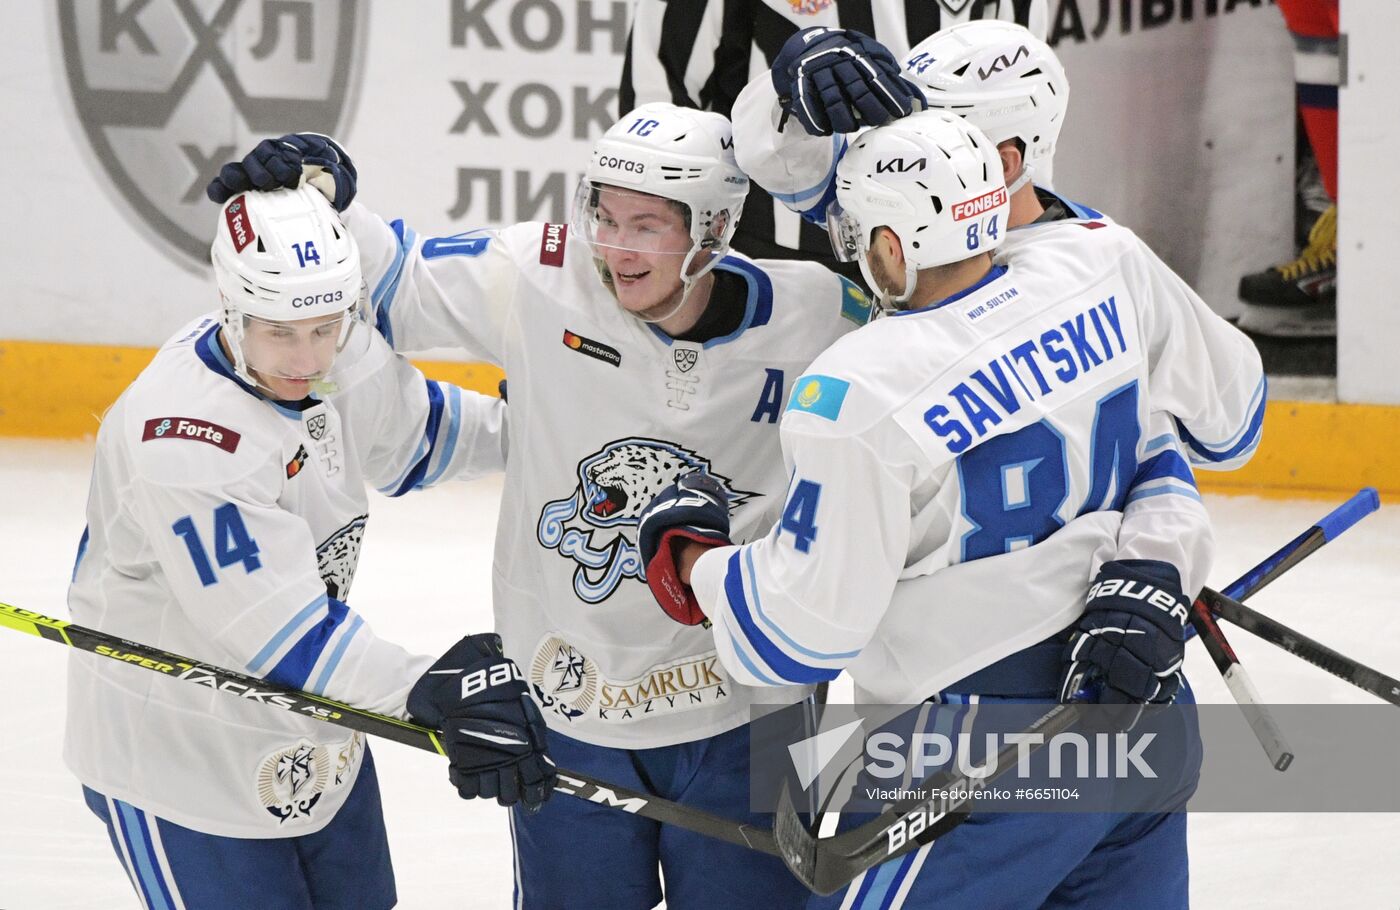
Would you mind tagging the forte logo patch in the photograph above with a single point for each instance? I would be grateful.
(552, 245)
(192, 429)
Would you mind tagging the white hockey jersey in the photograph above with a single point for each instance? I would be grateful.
(226, 527)
(606, 411)
(981, 453)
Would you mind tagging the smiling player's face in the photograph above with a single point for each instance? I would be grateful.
(643, 240)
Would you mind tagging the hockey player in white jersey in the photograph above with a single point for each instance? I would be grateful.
(982, 441)
(224, 522)
(638, 349)
(997, 75)
(1012, 86)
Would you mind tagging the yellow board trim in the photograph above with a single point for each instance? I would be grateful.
(1318, 449)
(60, 391)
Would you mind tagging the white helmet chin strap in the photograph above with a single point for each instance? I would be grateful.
(887, 301)
(233, 335)
(1021, 179)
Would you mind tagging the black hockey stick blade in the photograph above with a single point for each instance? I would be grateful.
(1241, 685)
(827, 864)
(1299, 645)
(308, 704)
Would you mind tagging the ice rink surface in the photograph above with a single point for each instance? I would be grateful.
(423, 581)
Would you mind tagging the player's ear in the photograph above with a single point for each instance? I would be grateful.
(1010, 160)
(889, 244)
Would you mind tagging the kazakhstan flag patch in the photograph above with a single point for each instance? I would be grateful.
(820, 395)
(855, 306)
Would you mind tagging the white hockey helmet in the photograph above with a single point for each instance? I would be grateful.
(284, 256)
(1002, 78)
(676, 153)
(934, 180)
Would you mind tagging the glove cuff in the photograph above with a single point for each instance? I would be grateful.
(663, 576)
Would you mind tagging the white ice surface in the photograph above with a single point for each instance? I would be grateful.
(424, 581)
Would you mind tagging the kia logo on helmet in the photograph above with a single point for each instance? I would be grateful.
(900, 165)
(1002, 63)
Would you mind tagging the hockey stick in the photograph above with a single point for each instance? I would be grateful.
(1300, 645)
(828, 864)
(1366, 501)
(1241, 686)
(238, 685)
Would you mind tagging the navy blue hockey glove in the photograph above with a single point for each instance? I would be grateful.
(490, 727)
(694, 508)
(283, 162)
(1132, 637)
(837, 80)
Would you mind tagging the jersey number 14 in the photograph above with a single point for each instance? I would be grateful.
(232, 543)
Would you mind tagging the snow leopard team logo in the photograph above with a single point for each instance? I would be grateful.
(338, 556)
(168, 90)
(596, 526)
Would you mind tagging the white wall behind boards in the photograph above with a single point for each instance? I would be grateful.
(1180, 126)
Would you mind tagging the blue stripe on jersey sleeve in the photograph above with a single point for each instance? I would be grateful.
(413, 477)
(1166, 464)
(838, 149)
(824, 192)
(1244, 440)
(1170, 489)
(327, 671)
(774, 627)
(1157, 442)
(255, 665)
(295, 666)
(383, 297)
(741, 649)
(443, 454)
(783, 666)
(82, 550)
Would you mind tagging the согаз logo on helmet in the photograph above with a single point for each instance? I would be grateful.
(165, 96)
